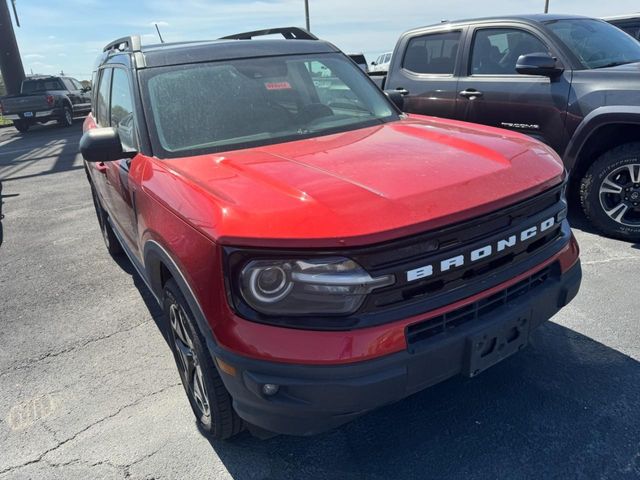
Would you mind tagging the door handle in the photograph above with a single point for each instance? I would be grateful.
(101, 167)
(402, 91)
(470, 93)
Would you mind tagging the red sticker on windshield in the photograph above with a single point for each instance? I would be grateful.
(278, 86)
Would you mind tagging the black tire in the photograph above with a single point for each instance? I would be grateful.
(66, 117)
(21, 125)
(222, 422)
(617, 215)
(110, 240)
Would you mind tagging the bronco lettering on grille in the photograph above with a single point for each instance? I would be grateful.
(480, 253)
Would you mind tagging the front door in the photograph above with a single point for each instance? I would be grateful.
(493, 93)
(121, 192)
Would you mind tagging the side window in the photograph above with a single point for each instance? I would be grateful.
(387, 58)
(122, 107)
(102, 98)
(495, 51)
(432, 54)
(76, 84)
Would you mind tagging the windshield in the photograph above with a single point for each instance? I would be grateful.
(41, 85)
(227, 105)
(597, 44)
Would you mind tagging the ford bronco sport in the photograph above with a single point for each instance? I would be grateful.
(317, 252)
(571, 82)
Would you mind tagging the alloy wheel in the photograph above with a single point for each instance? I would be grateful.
(620, 195)
(188, 363)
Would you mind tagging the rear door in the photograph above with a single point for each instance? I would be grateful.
(491, 92)
(85, 96)
(74, 94)
(425, 68)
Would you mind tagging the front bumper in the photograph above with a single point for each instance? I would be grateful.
(312, 398)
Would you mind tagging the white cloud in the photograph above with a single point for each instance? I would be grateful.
(29, 56)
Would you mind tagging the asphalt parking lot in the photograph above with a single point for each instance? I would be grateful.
(88, 386)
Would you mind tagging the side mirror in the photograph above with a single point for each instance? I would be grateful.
(538, 64)
(103, 145)
(396, 97)
(373, 63)
(86, 89)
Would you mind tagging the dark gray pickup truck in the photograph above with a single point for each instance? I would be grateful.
(571, 82)
(43, 99)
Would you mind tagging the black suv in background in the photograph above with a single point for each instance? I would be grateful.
(628, 23)
(571, 82)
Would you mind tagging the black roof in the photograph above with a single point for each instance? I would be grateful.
(193, 52)
(240, 45)
(525, 18)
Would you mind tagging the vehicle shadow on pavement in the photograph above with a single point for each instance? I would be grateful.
(563, 408)
(24, 150)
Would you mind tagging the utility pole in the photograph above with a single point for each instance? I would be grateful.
(10, 61)
(306, 14)
(546, 6)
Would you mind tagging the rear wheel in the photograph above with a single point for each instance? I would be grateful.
(66, 117)
(21, 125)
(610, 192)
(110, 240)
(209, 399)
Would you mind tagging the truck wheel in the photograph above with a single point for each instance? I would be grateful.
(21, 125)
(610, 192)
(66, 117)
(110, 240)
(209, 399)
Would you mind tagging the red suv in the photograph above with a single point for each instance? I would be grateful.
(317, 252)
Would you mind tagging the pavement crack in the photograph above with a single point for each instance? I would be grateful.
(59, 444)
(69, 349)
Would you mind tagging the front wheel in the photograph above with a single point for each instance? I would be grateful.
(209, 399)
(610, 192)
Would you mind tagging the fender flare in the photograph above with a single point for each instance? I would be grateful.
(155, 254)
(591, 123)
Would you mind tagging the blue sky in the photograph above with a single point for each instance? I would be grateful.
(68, 34)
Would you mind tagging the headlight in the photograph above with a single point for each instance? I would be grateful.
(334, 285)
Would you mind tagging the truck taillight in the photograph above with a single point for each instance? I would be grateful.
(50, 100)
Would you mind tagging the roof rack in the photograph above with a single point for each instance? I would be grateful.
(289, 33)
(130, 44)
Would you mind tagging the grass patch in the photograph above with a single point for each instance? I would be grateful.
(4, 122)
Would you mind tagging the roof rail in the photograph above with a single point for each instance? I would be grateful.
(130, 44)
(289, 33)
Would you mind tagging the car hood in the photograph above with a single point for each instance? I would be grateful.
(358, 187)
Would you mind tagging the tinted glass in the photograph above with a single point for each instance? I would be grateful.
(41, 85)
(597, 44)
(242, 103)
(496, 50)
(103, 98)
(434, 54)
(122, 107)
(76, 84)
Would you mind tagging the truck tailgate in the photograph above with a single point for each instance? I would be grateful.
(26, 103)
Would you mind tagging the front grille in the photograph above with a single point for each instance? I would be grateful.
(407, 298)
(449, 321)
